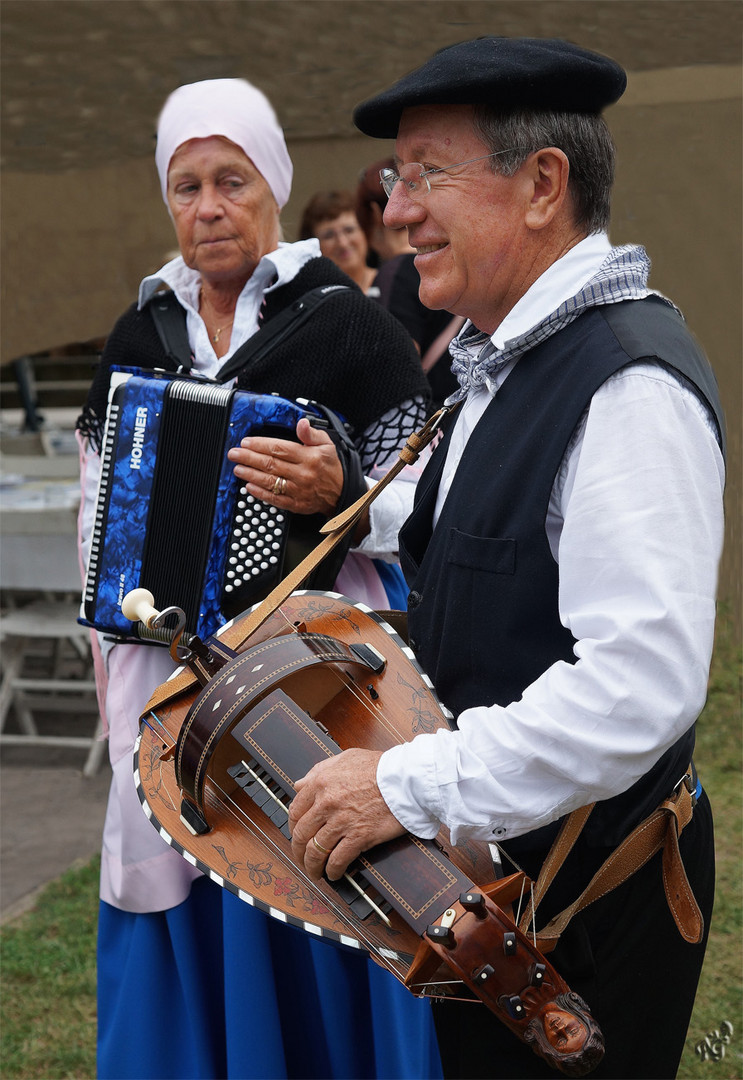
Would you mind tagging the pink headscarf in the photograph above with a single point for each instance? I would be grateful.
(236, 110)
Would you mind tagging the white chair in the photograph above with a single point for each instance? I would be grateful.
(48, 669)
(46, 655)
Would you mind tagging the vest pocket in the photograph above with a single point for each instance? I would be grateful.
(459, 618)
(493, 555)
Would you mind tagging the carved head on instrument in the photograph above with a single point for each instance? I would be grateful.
(565, 1034)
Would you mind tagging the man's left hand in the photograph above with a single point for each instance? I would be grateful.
(338, 812)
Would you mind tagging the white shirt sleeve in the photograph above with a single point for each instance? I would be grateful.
(391, 507)
(636, 525)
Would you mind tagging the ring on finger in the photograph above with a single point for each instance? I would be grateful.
(320, 848)
(279, 485)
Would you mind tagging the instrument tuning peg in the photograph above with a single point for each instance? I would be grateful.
(537, 973)
(483, 973)
(509, 943)
(442, 930)
(443, 934)
(474, 902)
(516, 1007)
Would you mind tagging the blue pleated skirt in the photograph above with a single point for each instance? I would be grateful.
(215, 989)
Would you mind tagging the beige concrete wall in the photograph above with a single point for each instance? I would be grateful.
(76, 244)
(678, 192)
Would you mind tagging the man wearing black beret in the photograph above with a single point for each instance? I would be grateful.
(562, 552)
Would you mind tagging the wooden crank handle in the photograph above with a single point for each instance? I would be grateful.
(139, 606)
(204, 658)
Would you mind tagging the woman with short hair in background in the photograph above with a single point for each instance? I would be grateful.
(330, 217)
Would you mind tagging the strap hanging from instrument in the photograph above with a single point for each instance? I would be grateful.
(661, 829)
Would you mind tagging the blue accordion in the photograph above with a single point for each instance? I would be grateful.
(171, 516)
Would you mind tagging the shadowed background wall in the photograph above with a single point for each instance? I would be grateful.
(83, 82)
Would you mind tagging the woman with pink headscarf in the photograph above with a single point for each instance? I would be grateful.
(192, 982)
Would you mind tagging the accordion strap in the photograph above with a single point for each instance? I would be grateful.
(236, 633)
(170, 321)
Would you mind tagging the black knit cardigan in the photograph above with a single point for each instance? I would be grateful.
(350, 355)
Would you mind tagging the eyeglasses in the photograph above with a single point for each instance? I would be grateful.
(413, 173)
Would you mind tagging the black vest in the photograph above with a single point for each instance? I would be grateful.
(483, 606)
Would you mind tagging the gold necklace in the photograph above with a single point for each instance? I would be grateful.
(218, 331)
(215, 336)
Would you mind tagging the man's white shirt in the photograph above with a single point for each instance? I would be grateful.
(635, 523)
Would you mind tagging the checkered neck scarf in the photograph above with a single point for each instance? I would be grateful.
(623, 275)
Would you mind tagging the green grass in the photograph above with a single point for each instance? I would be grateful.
(47, 956)
(47, 967)
(719, 759)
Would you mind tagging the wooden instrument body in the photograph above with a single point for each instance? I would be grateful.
(215, 767)
(244, 850)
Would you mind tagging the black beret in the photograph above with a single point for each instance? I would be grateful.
(509, 73)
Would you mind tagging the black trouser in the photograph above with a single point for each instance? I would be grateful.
(627, 960)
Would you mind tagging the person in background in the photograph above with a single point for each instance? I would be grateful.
(192, 982)
(330, 217)
(563, 551)
(432, 330)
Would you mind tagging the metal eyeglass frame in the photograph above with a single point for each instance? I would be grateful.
(389, 177)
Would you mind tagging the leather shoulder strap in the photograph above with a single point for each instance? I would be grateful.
(170, 321)
(660, 830)
(284, 324)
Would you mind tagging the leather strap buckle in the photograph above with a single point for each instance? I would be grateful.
(689, 781)
(691, 786)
